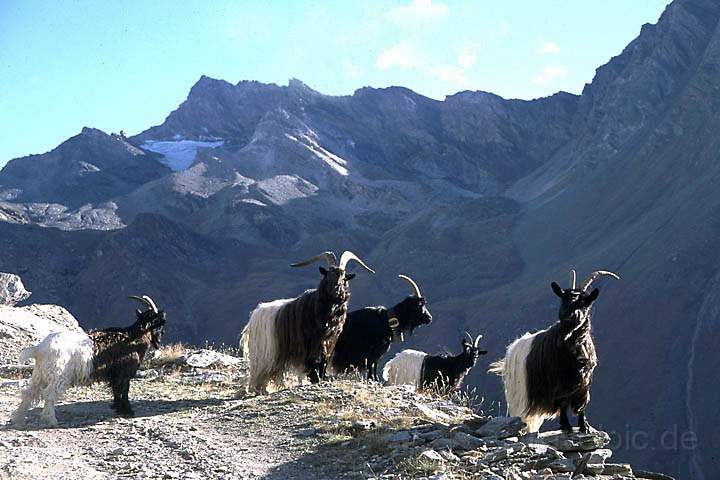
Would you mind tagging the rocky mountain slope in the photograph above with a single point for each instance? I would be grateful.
(483, 200)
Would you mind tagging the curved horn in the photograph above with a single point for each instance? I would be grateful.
(145, 300)
(151, 303)
(595, 275)
(328, 256)
(477, 341)
(347, 256)
(469, 337)
(412, 284)
(574, 279)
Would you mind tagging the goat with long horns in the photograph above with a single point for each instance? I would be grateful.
(368, 332)
(550, 371)
(299, 334)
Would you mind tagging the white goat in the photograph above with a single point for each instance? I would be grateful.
(62, 359)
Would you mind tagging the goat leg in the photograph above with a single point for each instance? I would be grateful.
(565, 425)
(583, 424)
(313, 371)
(116, 387)
(124, 408)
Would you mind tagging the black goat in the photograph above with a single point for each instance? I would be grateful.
(549, 371)
(299, 334)
(368, 332)
(437, 372)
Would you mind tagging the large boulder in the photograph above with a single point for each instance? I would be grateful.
(12, 290)
(24, 326)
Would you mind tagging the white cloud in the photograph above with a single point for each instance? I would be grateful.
(417, 13)
(401, 54)
(350, 70)
(404, 55)
(548, 48)
(551, 73)
(468, 55)
(451, 74)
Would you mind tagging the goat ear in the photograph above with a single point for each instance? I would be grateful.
(482, 352)
(323, 271)
(556, 288)
(350, 276)
(593, 296)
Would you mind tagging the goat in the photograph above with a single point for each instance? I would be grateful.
(299, 334)
(113, 355)
(368, 332)
(547, 372)
(434, 372)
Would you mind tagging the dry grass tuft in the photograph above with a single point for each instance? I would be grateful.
(167, 355)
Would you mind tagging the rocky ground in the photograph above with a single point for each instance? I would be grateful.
(194, 421)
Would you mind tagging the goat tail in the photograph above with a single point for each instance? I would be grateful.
(497, 367)
(27, 353)
(260, 345)
(245, 342)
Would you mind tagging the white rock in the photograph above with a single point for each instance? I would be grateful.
(208, 358)
(12, 290)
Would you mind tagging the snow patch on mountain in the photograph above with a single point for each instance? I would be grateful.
(336, 163)
(180, 153)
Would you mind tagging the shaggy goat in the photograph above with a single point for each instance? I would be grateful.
(299, 334)
(549, 371)
(437, 372)
(368, 332)
(112, 355)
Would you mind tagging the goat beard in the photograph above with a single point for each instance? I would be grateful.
(583, 320)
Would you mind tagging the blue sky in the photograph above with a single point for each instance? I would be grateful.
(126, 65)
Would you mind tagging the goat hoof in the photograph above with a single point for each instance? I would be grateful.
(51, 423)
(587, 429)
(126, 413)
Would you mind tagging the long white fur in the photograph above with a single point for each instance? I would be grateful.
(62, 359)
(405, 368)
(259, 345)
(513, 369)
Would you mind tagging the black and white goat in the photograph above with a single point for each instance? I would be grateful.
(368, 332)
(112, 355)
(299, 334)
(549, 371)
(436, 372)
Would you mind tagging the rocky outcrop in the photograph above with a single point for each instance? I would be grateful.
(192, 423)
(24, 326)
(12, 290)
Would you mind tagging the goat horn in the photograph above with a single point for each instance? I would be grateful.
(469, 337)
(412, 284)
(328, 256)
(145, 300)
(477, 341)
(595, 275)
(574, 279)
(347, 256)
(151, 303)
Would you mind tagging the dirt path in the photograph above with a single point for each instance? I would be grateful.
(180, 431)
